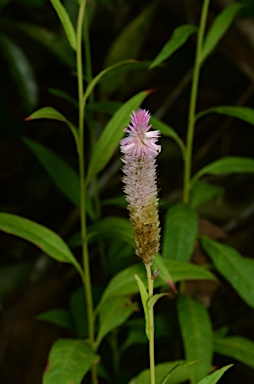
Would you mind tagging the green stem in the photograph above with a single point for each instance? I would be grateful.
(150, 282)
(193, 103)
(86, 265)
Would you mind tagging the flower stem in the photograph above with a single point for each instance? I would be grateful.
(193, 103)
(86, 265)
(150, 282)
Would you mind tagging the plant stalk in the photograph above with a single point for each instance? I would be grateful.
(193, 103)
(150, 282)
(85, 254)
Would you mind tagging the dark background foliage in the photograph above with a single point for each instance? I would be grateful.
(35, 59)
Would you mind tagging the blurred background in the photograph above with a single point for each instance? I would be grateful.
(37, 69)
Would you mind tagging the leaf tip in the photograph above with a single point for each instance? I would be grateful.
(152, 90)
(28, 118)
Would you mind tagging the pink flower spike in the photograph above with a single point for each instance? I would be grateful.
(139, 150)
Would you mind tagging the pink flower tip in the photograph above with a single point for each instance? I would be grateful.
(140, 142)
(172, 286)
(28, 118)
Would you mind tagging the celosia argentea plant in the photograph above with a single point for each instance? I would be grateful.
(139, 150)
(103, 318)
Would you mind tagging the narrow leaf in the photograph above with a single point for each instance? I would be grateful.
(196, 332)
(52, 114)
(179, 232)
(45, 239)
(69, 361)
(164, 273)
(179, 37)
(104, 72)
(242, 113)
(144, 298)
(111, 227)
(153, 300)
(65, 178)
(239, 271)
(236, 347)
(66, 22)
(162, 369)
(181, 270)
(218, 29)
(174, 369)
(113, 313)
(167, 131)
(21, 70)
(112, 134)
(215, 376)
(227, 165)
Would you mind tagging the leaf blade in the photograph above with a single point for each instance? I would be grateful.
(179, 37)
(196, 332)
(237, 347)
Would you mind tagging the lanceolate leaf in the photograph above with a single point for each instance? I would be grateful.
(161, 370)
(105, 71)
(113, 312)
(167, 131)
(125, 283)
(112, 134)
(196, 332)
(215, 376)
(174, 369)
(21, 71)
(202, 192)
(179, 37)
(179, 233)
(45, 239)
(242, 113)
(239, 271)
(66, 22)
(52, 114)
(218, 28)
(69, 361)
(236, 347)
(144, 299)
(227, 165)
(65, 178)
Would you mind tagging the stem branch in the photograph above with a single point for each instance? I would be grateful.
(150, 282)
(193, 103)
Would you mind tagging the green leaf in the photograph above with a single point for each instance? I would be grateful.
(52, 114)
(113, 313)
(125, 283)
(69, 361)
(242, 113)
(215, 376)
(65, 178)
(21, 71)
(177, 367)
(227, 165)
(167, 131)
(239, 271)
(201, 192)
(160, 264)
(236, 347)
(179, 37)
(59, 317)
(112, 134)
(66, 22)
(103, 73)
(182, 270)
(220, 25)
(144, 299)
(153, 300)
(180, 232)
(196, 330)
(162, 369)
(45, 239)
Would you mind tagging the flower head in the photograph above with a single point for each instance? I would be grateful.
(139, 150)
(140, 142)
